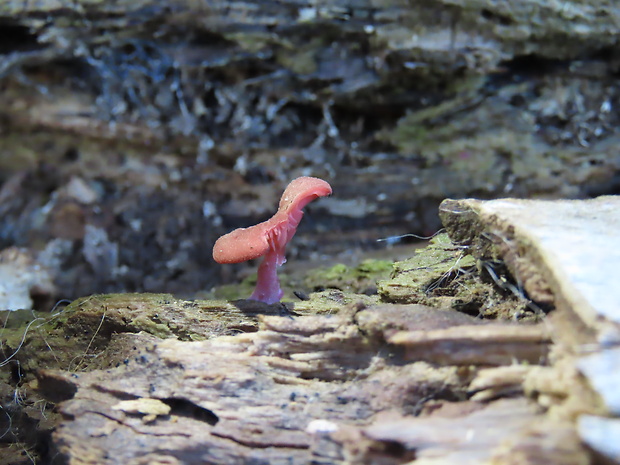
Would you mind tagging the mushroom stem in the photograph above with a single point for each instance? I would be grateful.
(267, 283)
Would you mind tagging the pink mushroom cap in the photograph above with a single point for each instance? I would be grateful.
(245, 244)
(242, 244)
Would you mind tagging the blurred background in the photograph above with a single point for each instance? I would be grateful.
(134, 133)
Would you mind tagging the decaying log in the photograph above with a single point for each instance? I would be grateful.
(277, 394)
(134, 133)
(339, 378)
(564, 252)
(233, 399)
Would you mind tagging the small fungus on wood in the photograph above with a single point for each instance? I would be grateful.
(269, 238)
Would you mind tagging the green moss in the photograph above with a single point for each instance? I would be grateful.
(360, 279)
(333, 273)
(373, 267)
(331, 301)
(235, 291)
(143, 323)
(433, 267)
(442, 275)
(70, 338)
(351, 279)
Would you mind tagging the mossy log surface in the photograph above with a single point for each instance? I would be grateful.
(339, 378)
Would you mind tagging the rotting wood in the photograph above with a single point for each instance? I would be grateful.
(555, 249)
(476, 345)
(560, 251)
(254, 394)
(257, 402)
(508, 431)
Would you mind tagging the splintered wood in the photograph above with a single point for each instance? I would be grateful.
(475, 345)
(239, 398)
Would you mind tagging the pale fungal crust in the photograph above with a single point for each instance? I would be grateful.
(144, 405)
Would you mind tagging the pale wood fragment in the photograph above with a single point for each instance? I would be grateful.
(602, 370)
(601, 434)
(491, 383)
(495, 344)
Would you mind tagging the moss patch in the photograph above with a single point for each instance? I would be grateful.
(360, 279)
(443, 275)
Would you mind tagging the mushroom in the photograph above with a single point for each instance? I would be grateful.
(269, 238)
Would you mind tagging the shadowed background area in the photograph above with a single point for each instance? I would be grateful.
(134, 133)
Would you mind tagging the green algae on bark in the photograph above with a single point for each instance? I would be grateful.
(76, 337)
(331, 301)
